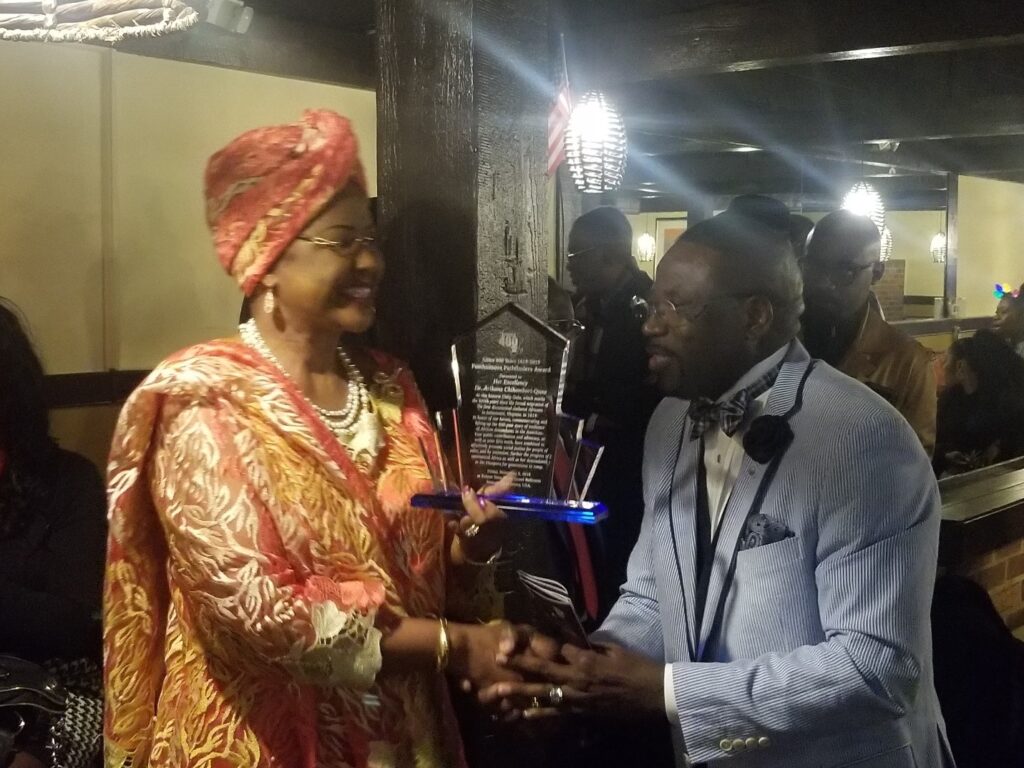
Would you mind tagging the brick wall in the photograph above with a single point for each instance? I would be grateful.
(1001, 572)
(890, 289)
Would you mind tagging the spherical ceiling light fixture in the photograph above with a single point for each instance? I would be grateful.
(886, 253)
(645, 247)
(94, 21)
(938, 248)
(863, 199)
(595, 144)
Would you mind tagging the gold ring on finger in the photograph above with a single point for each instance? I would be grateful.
(472, 531)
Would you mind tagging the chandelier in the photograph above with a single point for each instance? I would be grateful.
(863, 199)
(938, 248)
(106, 21)
(595, 144)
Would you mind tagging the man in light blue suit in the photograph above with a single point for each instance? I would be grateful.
(776, 608)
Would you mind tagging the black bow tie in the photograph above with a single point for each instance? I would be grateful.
(728, 415)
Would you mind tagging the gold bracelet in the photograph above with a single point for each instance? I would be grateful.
(443, 646)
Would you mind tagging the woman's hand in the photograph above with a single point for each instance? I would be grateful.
(476, 650)
(479, 533)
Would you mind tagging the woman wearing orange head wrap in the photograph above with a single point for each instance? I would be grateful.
(271, 597)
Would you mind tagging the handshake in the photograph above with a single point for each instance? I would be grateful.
(516, 672)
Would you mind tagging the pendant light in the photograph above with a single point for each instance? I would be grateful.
(864, 200)
(97, 21)
(595, 144)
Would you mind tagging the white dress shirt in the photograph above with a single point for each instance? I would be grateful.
(723, 457)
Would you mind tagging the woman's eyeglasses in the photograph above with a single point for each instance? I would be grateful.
(348, 246)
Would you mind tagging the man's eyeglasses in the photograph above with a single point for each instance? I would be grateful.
(841, 274)
(346, 246)
(574, 254)
(667, 312)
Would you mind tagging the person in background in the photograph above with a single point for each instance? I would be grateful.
(578, 549)
(981, 410)
(571, 554)
(1009, 320)
(799, 229)
(979, 675)
(562, 313)
(272, 599)
(776, 611)
(843, 327)
(52, 529)
(608, 382)
(773, 213)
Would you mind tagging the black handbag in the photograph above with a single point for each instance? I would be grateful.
(28, 694)
(76, 737)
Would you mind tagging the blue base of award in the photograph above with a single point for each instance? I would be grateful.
(522, 507)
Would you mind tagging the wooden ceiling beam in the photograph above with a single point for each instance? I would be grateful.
(966, 157)
(699, 168)
(657, 122)
(795, 198)
(870, 161)
(752, 34)
(272, 46)
(732, 173)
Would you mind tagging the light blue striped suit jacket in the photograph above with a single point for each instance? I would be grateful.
(824, 653)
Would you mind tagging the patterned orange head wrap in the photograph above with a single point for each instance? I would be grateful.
(264, 187)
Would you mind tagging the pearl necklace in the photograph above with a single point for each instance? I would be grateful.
(355, 424)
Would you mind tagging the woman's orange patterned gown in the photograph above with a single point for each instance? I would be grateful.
(249, 557)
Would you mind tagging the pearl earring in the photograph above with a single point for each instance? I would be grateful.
(268, 302)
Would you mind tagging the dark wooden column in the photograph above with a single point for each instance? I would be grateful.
(462, 98)
(952, 242)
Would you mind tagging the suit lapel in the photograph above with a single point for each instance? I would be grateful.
(781, 399)
(678, 477)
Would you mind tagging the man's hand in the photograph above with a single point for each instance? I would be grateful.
(526, 641)
(608, 679)
(476, 650)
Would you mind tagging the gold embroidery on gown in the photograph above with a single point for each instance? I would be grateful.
(248, 560)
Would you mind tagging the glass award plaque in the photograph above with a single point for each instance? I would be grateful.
(509, 375)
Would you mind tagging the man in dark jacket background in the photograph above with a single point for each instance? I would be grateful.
(608, 379)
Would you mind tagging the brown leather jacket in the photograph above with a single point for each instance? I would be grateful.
(899, 369)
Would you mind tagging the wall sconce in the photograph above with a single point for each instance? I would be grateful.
(938, 248)
(595, 144)
(645, 247)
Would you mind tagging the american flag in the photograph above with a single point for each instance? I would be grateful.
(558, 121)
